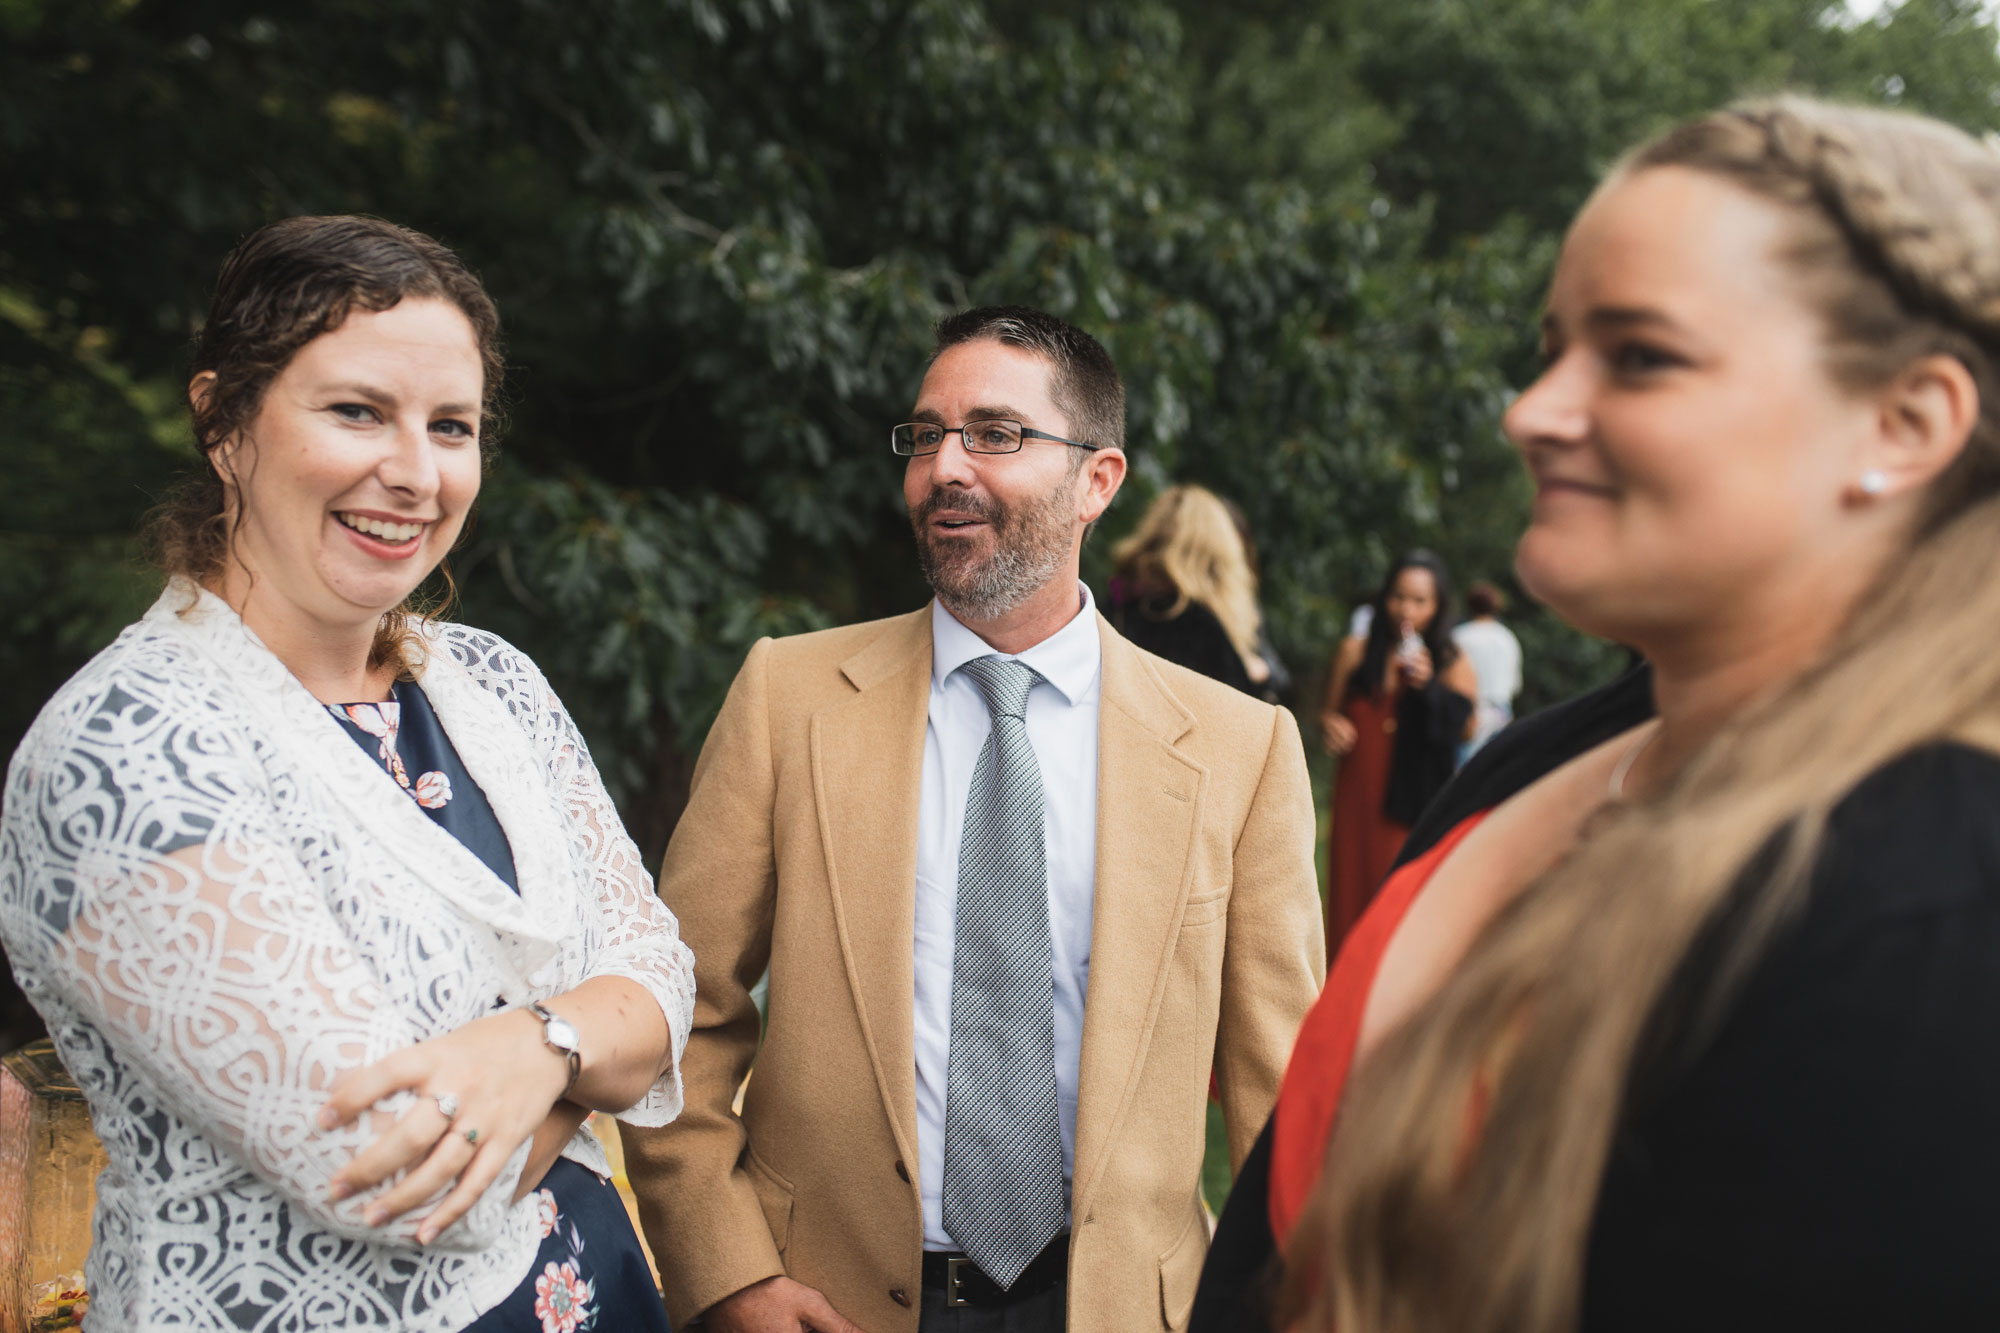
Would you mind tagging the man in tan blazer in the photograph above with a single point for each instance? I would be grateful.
(830, 837)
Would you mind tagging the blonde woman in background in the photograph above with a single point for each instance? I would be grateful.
(1681, 1010)
(1183, 589)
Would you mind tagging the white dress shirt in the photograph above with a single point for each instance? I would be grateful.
(1495, 655)
(1062, 726)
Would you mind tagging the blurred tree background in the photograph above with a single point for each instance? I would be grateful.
(1313, 234)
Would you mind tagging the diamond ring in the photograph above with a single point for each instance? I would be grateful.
(447, 1104)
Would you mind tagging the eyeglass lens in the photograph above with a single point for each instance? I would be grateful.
(981, 437)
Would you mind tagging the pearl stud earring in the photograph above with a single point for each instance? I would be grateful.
(1874, 482)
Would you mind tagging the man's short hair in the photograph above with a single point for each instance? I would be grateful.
(1083, 382)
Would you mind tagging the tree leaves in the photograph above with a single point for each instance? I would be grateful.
(1313, 235)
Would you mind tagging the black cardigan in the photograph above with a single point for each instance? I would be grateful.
(1194, 638)
(1829, 1156)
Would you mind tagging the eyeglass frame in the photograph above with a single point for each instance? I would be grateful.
(1026, 432)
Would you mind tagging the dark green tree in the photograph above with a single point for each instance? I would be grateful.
(1313, 235)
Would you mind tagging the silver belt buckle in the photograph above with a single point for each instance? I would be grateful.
(954, 1292)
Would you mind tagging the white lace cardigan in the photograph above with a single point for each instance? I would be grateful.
(219, 903)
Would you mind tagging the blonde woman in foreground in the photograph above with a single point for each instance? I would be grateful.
(1682, 1009)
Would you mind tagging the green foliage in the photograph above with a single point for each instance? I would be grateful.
(1313, 234)
(661, 598)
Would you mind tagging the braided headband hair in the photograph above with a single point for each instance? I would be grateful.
(1883, 226)
(1908, 208)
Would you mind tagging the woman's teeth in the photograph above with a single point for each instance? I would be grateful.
(375, 527)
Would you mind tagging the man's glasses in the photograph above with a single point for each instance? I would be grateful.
(914, 438)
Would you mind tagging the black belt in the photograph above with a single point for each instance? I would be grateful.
(964, 1284)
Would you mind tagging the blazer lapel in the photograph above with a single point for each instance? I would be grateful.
(867, 772)
(1149, 804)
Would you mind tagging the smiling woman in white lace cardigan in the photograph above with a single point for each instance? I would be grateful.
(322, 899)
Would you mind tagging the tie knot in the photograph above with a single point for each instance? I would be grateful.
(1004, 682)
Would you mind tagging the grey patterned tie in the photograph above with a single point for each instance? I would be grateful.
(1003, 1181)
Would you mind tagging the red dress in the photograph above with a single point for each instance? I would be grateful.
(1364, 842)
(1309, 1098)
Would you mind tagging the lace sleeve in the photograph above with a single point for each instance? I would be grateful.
(150, 879)
(630, 933)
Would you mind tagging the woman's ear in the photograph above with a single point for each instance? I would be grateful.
(199, 388)
(1927, 414)
(220, 456)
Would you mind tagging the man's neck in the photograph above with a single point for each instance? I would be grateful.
(1042, 615)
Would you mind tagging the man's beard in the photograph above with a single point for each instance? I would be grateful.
(1030, 547)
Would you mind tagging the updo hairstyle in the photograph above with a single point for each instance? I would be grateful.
(290, 282)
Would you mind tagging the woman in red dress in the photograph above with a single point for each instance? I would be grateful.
(1398, 701)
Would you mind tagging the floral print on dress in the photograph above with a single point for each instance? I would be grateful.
(563, 1300)
(382, 721)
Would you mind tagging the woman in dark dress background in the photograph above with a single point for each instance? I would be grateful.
(1183, 588)
(1679, 1012)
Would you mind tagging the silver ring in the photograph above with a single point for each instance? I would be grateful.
(447, 1104)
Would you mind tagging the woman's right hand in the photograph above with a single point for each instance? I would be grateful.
(1337, 733)
(505, 1082)
(1416, 666)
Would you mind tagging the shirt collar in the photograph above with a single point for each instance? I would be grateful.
(1069, 659)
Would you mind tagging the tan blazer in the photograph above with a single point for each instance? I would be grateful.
(798, 850)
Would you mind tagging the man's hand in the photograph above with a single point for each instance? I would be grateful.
(775, 1305)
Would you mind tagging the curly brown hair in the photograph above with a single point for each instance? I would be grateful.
(290, 282)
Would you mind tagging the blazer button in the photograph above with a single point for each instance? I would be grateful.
(902, 1170)
(900, 1297)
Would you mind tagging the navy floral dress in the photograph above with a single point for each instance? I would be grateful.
(591, 1273)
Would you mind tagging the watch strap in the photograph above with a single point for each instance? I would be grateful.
(570, 1054)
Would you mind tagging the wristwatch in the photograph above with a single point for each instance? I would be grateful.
(559, 1035)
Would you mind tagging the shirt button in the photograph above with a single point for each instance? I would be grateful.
(900, 1297)
(902, 1170)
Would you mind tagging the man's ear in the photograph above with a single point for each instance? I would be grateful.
(1926, 415)
(1106, 473)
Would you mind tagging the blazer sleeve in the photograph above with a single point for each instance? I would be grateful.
(1274, 957)
(696, 1201)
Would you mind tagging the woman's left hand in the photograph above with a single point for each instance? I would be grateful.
(504, 1080)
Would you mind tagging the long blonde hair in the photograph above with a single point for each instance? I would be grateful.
(1896, 238)
(1188, 546)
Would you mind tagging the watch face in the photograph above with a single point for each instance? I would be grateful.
(560, 1033)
